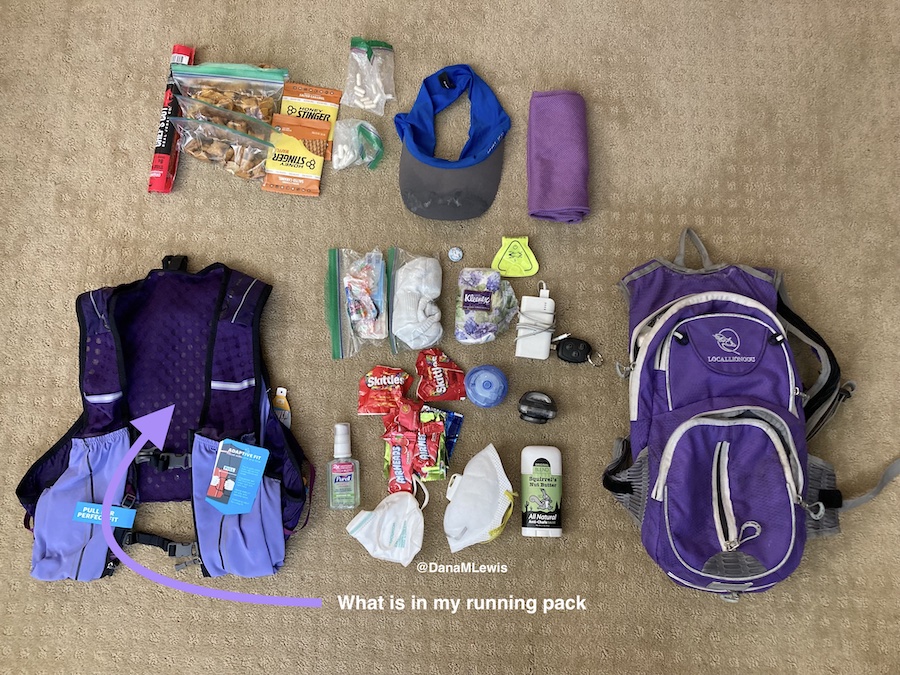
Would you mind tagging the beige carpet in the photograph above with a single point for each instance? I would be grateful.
(771, 130)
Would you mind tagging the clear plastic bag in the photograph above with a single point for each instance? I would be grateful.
(356, 300)
(355, 142)
(252, 90)
(195, 109)
(241, 155)
(485, 305)
(414, 284)
(370, 75)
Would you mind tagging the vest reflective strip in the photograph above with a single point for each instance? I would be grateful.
(237, 311)
(103, 398)
(218, 385)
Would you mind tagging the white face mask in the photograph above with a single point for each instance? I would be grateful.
(393, 531)
(481, 501)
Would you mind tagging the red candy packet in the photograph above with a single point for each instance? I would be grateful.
(427, 453)
(399, 458)
(440, 378)
(381, 389)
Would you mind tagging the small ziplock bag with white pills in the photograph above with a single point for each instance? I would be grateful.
(370, 75)
(355, 142)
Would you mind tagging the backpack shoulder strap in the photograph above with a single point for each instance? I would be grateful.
(826, 393)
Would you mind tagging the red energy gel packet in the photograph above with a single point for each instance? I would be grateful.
(408, 415)
(381, 389)
(405, 417)
(440, 378)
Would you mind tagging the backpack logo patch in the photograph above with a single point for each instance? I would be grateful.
(728, 341)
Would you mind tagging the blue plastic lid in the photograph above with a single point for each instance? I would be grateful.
(486, 386)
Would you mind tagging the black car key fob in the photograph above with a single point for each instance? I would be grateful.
(573, 350)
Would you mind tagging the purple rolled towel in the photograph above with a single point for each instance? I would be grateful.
(557, 162)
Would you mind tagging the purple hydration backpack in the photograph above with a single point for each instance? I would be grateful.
(191, 340)
(716, 470)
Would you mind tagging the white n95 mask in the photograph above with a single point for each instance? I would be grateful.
(393, 531)
(481, 501)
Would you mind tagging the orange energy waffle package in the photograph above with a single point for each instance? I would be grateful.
(294, 165)
(312, 103)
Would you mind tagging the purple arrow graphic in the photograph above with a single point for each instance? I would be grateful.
(154, 428)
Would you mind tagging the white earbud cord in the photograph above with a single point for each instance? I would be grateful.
(417, 480)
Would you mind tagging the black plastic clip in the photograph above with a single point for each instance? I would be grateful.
(176, 263)
(182, 550)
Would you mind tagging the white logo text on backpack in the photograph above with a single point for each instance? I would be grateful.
(729, 341)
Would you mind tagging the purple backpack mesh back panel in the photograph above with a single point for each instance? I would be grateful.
(191, 340)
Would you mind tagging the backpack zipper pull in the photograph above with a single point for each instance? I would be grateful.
(741, 539)
(624, 371)
(816, 510)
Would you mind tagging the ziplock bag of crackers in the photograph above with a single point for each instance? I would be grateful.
(294, 165)
(312, 103)
(195, 109)
(370, 75)
(356, 300)
(241, 155)
(251, 90)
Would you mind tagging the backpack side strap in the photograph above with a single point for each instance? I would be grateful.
(621, 457)
(889, 474)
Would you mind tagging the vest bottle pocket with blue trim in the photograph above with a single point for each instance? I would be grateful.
(249, 543)
(66, 548)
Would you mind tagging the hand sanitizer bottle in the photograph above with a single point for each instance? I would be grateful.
(343, 472)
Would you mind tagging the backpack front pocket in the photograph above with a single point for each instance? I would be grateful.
(729, 484)
(727, 354)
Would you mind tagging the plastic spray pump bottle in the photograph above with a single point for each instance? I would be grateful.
(343, 472)
(281, 407)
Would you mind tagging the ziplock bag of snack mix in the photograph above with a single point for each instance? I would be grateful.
(252, 90)
(370, 75)
(356, 142)
(194, 109)
(312, 103)
(356, 300)
(241, 155)
(485, 305)
(414, 285)
(294, 165)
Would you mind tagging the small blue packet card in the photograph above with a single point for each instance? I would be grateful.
(119, 516)
(236, 476)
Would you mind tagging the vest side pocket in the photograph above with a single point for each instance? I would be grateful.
(69, 549)
(248, 545)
